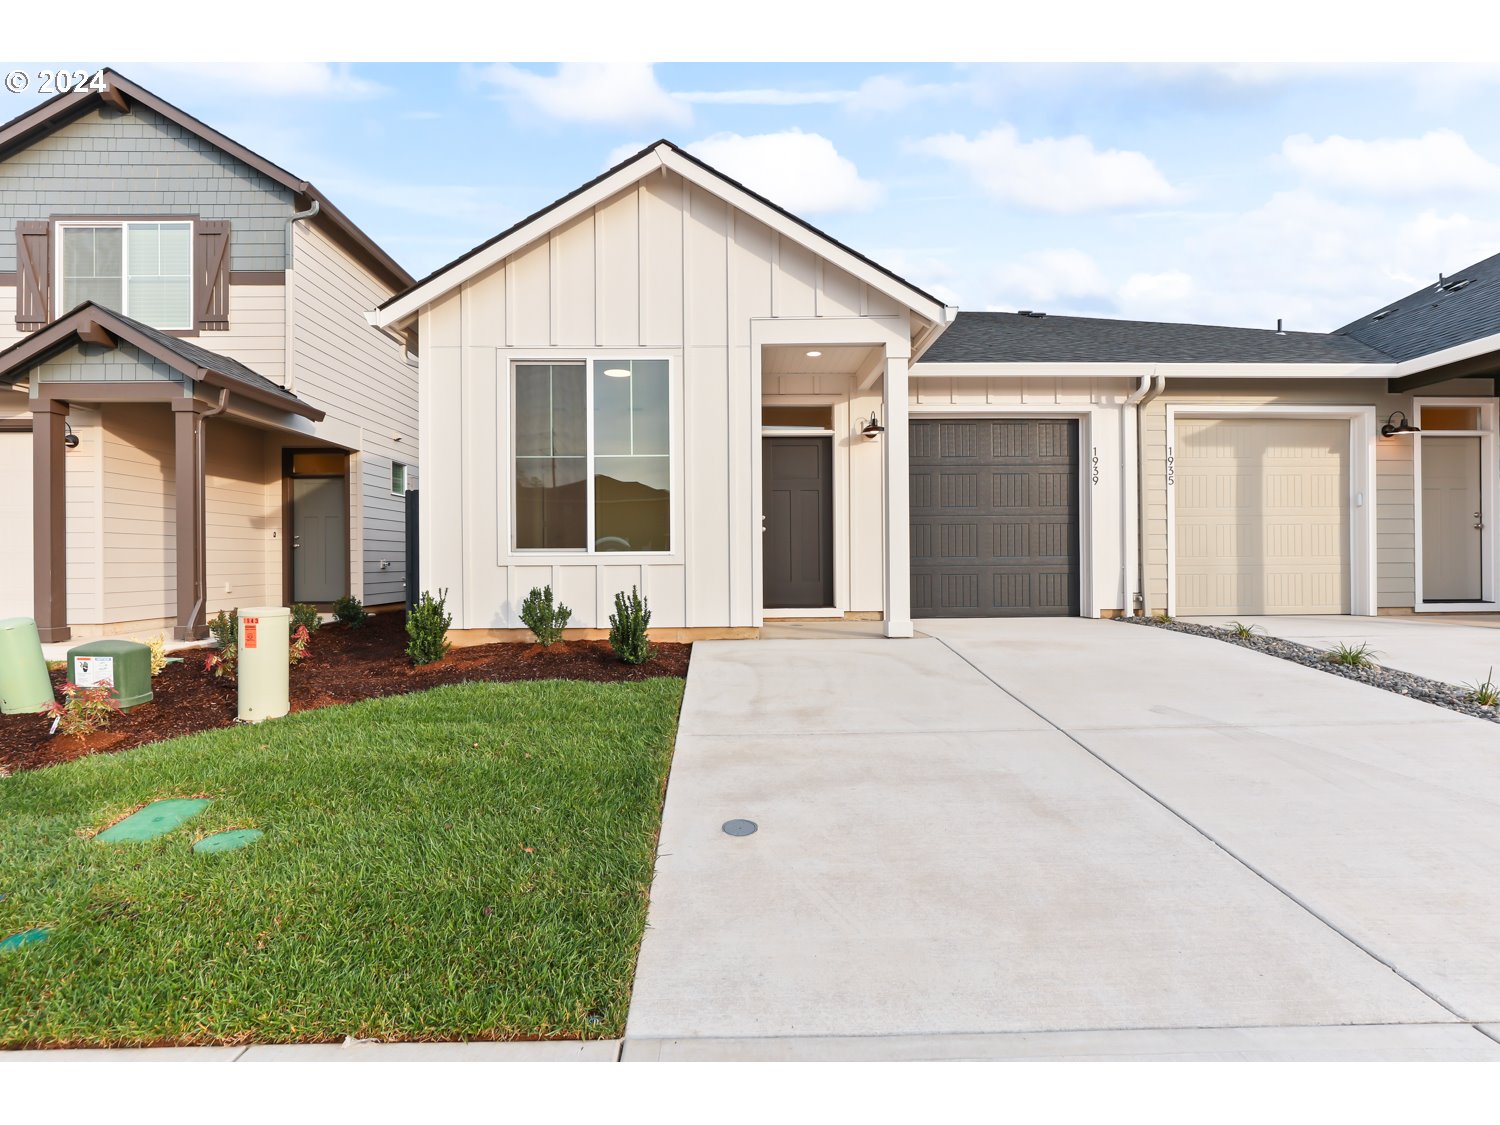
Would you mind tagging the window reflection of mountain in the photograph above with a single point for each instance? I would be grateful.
(630, 516)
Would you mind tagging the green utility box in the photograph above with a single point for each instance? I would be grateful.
(25, 687)
(125, 664)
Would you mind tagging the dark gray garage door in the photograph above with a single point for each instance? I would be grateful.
(994, 517)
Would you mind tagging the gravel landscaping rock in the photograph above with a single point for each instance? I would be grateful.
(1388, 679)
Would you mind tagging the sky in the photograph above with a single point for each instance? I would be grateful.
(1225, 194)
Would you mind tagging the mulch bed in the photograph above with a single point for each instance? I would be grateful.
(343, 666)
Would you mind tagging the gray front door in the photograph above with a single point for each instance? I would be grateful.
(797, 486)
(994, 517)
(320, 545)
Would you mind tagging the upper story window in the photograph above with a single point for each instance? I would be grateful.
(593, 456)
(141, 269)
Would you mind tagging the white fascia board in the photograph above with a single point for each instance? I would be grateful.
(1170, 370)
(432, 289)
(1455, 354)
(922, 305)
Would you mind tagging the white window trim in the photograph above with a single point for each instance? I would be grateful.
(1362, 499)
(1489, 415)
(124, 225)
(1089, 423)
(540, 555)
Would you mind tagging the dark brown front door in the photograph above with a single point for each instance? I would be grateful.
(798, 540)
(994, 517)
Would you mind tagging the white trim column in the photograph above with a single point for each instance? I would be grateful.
(897, 501)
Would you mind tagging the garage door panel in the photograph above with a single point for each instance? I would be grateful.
(1261, 516)
(994, 517)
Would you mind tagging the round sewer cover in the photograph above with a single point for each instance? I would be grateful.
(227, 841)
(740, 827)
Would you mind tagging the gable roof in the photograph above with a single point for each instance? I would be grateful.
(120, 92)
(662, 153)
(998, 337)
(1460, 308)
(196, 363)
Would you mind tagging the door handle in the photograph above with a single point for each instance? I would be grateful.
(1478, 521)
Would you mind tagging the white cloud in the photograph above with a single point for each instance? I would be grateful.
(800, 171)
(1439, 161)
(764, 96)
(1155, 296)
(278, 79)
(1063, 175)
(1045, 277)
(598, 93)
(880, 93)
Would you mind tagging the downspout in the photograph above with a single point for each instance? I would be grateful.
(289, 296)
(202, 498)
(1139, 400)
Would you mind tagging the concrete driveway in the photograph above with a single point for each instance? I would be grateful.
(1456, 648)
(1067, 839)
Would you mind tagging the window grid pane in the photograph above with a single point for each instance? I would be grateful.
(551, 444)
(161, 279)
(632, 462)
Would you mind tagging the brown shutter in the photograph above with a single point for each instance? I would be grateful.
(211, 267)
(33, 274)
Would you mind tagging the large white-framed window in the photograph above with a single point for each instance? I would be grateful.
(143, 269)
(592, 456)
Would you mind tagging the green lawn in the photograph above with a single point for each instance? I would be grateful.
(410, 885)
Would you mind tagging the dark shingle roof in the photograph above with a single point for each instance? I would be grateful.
(209, 361)
(1466, 307)
(996, 337)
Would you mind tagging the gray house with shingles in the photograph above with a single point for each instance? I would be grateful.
(194, 413)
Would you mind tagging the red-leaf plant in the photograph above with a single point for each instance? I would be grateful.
(83, 709)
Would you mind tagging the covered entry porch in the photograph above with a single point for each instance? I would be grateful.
(120, 533)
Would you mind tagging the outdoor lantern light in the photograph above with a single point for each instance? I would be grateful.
(1392, 428)
(872, 429)
(70, 439)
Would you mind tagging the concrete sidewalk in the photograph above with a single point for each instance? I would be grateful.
(1456, 648)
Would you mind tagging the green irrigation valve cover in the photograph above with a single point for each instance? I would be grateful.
(156, 819)
(25, 687)
(23, 939)
(227, 841)
(126, 665)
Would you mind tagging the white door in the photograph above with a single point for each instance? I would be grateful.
(1261, 515)
(15, 525)
(1452, 520)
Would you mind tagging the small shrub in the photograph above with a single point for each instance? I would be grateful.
(158, 647)
(306, 616)
(545, 620)
(1242, 631)
(1162, 618)
(1486, 694)
(224, 662)
(297, 644)
(1352, 656)
(627, 628)
(348, 611)
(83, 710)
(427, 626)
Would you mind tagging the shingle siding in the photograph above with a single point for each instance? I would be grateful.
(138, 163)
(123, 364)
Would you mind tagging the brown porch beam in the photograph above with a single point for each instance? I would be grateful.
(92, 332)
(49, 520)
(113, 95)
(192, 575)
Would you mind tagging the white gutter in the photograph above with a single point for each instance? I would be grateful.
(1455, 354)
(1114, 370)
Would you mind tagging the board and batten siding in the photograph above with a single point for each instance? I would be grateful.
(360, 377)
(663, 269)
(1395, 503)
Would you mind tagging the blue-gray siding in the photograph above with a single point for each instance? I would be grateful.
(123, 364)
(109, 163)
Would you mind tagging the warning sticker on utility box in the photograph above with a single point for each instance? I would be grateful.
(91, 671)
(248, 629)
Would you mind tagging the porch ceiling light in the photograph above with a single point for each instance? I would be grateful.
(1392, 428)
(872, 429)
(617, 372)
(813, 355)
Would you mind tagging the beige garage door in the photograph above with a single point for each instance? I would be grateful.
(1262, 515)
(15, 525)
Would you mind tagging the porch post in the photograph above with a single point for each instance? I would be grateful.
(192, 578)
(897, 501)
(49, 519)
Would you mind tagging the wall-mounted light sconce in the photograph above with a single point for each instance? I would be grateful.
(872, 429)
(70, 439)
(1392, 428)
